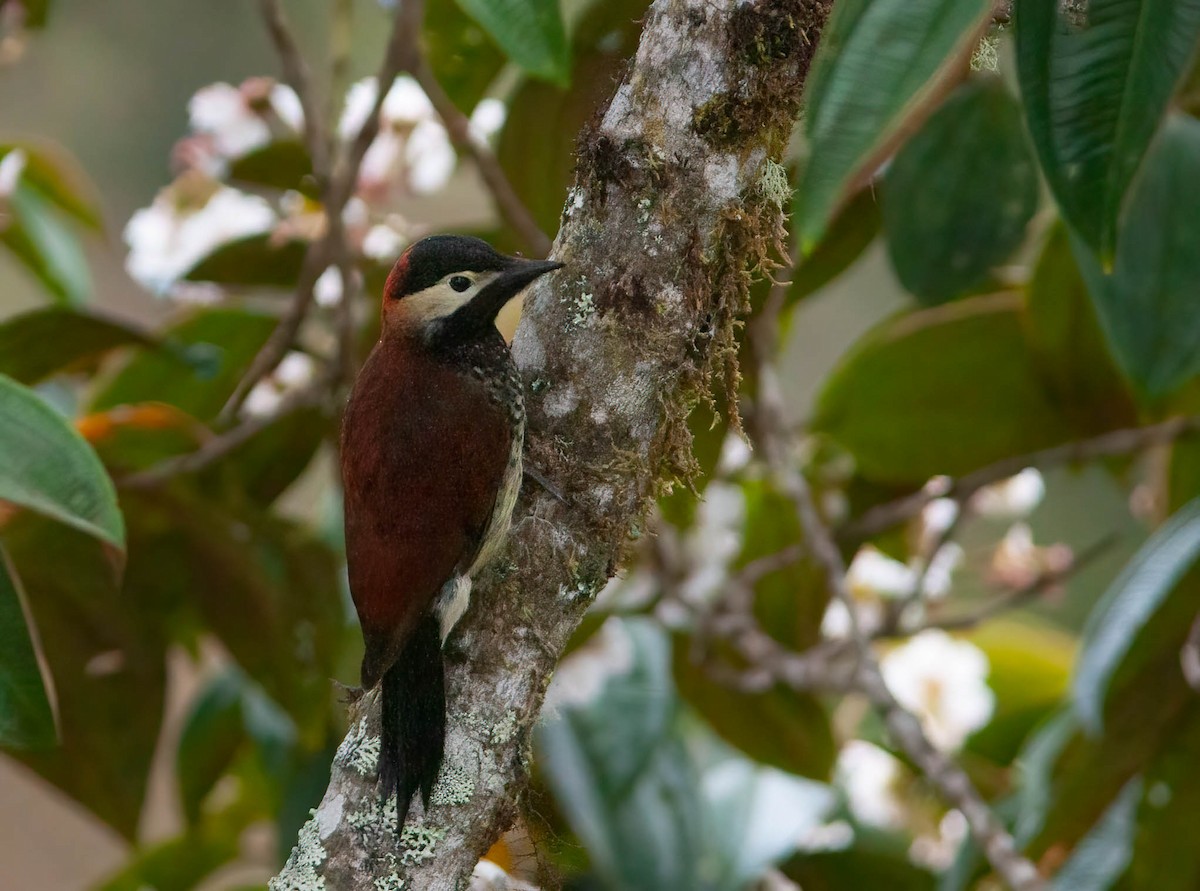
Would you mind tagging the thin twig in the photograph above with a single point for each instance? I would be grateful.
(1010, 600)
(218, 447)
(458, 127)
(1107, 445)
(297, 76)
(943, 772)
(401, 55)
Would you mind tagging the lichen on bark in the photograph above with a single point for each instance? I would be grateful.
(670, 218)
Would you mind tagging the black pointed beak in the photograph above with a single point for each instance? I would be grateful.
(521, 274)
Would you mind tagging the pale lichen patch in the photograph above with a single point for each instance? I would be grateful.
(419, 841)
(359, 751)
(454, 786)
(502, 730)
(300, 872)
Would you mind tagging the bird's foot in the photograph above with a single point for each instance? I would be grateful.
(348, 695)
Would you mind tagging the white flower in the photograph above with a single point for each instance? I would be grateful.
(874, 573)
(383, 243)
(1018, 563)
(871, 779)
(735, 455)
(943, 681)
(937, 517)
(714, 540)
(430, 157)
(187, 221)
(327, 290)
(235, 119)
(937, 850)
(412, 148)
(294, 371)
(487, 119)
(1012, 498)
(12, 166)
(262, 401)
(939, 574)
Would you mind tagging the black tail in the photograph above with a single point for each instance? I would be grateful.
(414, 719)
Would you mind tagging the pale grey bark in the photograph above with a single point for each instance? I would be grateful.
(677, 199)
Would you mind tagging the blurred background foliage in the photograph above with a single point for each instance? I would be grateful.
(994, 212)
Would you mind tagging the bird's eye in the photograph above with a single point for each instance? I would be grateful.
(460, 283)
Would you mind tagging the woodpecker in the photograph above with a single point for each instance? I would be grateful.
(431, 467)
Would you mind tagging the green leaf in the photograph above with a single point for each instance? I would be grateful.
(536, 146)
(1126, 608)
(255, 261)
(531, 33)
(47, 467)
(778, 727)
(1029, 671)
(1104, 853)
(211, 735)
(944, 390)
(263, 467)
(213, 349)
(283, 164)
(874, 60)
(26, 721)
(844, 241)
(872, 861)
(947, 225)
(464, 58)
(44, 244)
(1095, 91)
(59, 179)
(106, 652)
(1070, 350)
(179, 864)
(37, 344)
(1147, 305)
(624, 780)
(758, 816)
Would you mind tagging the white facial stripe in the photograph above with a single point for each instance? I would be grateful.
(440, 300)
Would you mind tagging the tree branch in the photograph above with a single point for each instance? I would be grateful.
(510, 205)
(660, 231)
(1107, 445)
(401, 55)
(950, 780)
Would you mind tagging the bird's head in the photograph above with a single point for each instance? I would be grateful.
(453, 286)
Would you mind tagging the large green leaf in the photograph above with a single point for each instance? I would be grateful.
(211, 735)
(624, 780)
(47, 467)
(844, 241)
(530, 32)
(537, 144)
(106, 651)
(26, 721)
(778, 726)
(1094, 94)
(873, 860)
(179, 864)
(36, 344)
(1165, 857)
(216, 347)
(944, 390)
(464, 58)
(283, 164)
(1105, 852)
(947, 225)
(1147, 304)
(46, 245)
(875, 59)
(257, 260)
(1069, 346)
(1127, 607)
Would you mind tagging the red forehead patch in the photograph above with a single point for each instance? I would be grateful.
(394, 286)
